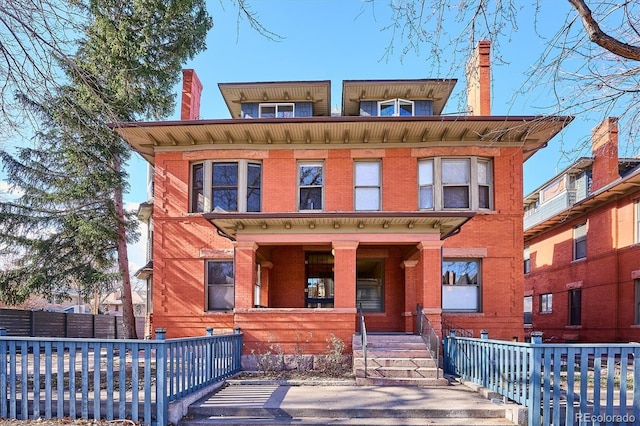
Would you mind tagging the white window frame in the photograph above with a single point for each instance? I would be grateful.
(277, 106)
(546, 303)
(397, 103)
(361, 187)
(211, 288)
(527, 260)
(476, 180)
(458, 295)
(528, 310)
(637, 221)
(426, 184)
(243, 184)
(302, 164)
(580, 233)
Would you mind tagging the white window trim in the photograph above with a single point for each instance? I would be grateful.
(478, 286)
(243, 174)
(277, 105)
(396, 106)
(545, 308)
(474, 191)
(310, 164)
(208, 285)
(356, 186)
(578, 230)
(637, 221)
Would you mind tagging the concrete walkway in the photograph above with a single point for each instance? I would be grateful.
(349, 405)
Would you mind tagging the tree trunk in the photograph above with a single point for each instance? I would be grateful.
(128, 318)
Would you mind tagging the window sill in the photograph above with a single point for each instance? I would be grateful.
(573, 327)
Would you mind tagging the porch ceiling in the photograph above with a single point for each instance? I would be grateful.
(528, 133)
(443, 223)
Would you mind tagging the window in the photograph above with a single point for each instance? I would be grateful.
(455, 183)
(395, 107)
(527, 260)
(637, 303)
(637, 222)
(528, 310)
(580, 241)
(235, 186)
(546, 303)
(319, 289)
(197, 188)
(367, 185)
(370, 285)
(557, 187)
(575, 307)
(484, 184)
(461, 285)
(310, 186)
(276, 111)
(220, 285)
(425, 183)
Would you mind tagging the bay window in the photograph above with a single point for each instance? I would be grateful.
(461, 183)
(234, 186)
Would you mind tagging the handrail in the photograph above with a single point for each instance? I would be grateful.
(448, 326)
(430, 337)
(363, 338)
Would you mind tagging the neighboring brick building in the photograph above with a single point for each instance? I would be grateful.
(284, 219)
(582, 248)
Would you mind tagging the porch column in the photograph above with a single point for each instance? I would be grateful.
(344, 274)
(265, 268)
(431, 283)
(410, 299)
(245, 273)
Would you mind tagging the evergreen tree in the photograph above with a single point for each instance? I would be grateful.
(127, 63)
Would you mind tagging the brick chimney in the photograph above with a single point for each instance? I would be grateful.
(604, 146)
(478, 71)
(191, 90)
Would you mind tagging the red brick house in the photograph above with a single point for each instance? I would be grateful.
(284, 219)
(582, 248)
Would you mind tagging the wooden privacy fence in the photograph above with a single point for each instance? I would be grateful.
(64, 324)
(561, 384)
(108, 378)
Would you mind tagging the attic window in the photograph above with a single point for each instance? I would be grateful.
(395, 108)
(277, 110)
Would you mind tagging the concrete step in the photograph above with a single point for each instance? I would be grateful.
(392, 353)
(394, 362)
(346, 405)
(286, 420)
(399, 372)
(401, 381)
(392, 345)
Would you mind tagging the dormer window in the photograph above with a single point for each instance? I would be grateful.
(276, 110)
(395, 108)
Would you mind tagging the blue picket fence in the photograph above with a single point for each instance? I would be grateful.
(110, 379)
(561, 384)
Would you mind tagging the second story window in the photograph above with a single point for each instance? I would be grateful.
(580, 241)
(464, 183)
(234, 186)
(528, 310)
(395, 107)
(276, 111)
(637, 221)
(527, 260)
(367, 185)
(546, 303)
(310, 186)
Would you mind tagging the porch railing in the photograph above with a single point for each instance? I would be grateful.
(449, 326)
(430, 337)
(561, 384)
(363, 338)
(109, 379)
